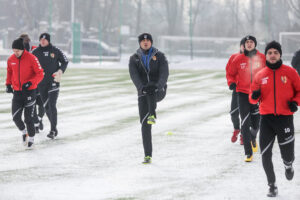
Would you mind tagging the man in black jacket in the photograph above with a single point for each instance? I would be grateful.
(296, 61)
(149, 72)
(54, 63)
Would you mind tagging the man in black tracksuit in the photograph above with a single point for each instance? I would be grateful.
(296, 61)
(149, 72)
(54, 63)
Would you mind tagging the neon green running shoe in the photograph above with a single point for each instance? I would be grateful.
(147, 160)
(151, 119)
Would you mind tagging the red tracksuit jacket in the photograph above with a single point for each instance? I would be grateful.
(229, 63)
(24, 69)
(277, 88)
(243, 70)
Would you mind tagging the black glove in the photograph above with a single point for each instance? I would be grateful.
(150, 88)
(255, 94)
(26, 86)
(9, 89)
(232, 86)
(293, 106)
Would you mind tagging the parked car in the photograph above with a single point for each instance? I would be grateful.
(91, 47)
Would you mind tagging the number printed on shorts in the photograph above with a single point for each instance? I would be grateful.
(287, 130)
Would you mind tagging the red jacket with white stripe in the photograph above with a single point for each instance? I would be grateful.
(243, 70)
(277, 88)
(229, 63)
(24, 69)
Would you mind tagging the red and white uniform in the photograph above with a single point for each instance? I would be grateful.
(24, 69)
(277, 88)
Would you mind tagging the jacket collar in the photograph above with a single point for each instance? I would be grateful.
(139, 52)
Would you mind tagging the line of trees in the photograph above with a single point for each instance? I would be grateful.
(219, 18)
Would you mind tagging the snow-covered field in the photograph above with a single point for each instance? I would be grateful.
(99, 151)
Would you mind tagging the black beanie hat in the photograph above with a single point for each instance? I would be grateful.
(273, 45)
(18, 44)
(45, 36)
(145, 36)
(250, 37)
(243, 40)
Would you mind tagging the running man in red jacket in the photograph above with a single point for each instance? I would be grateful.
(240, 76)
(234, 111)
(39, 106)
(277, 88)
(24, 72)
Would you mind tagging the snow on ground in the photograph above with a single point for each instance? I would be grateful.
(98, 153)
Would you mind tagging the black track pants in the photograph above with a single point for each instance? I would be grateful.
(234, 111)
(24, 101)
(249, 118)
(49, 94)
(147, 105)
(282, 127)
(39, 111)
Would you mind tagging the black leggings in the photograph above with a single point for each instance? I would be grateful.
(49, 94)
(24, 101)
(250, 118)
(282, 127)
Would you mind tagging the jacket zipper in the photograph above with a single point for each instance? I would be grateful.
(274, 93)
(19, 73)
(145, 68)
(250, 70)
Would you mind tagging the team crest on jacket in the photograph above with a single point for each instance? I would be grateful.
(154, 58)
(243, 65)
(284, 79)
(52, 55)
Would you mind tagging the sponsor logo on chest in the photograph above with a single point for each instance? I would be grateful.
(243, 65)
(264, 80)
(46, 53)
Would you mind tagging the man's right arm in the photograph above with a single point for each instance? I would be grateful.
(134, 74)
(232, 72)
(8, 74)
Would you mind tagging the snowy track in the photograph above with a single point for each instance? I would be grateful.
(99, 150)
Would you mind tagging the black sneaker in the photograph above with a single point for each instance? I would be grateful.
(55, 133)
(289, 172)
(30, 145)
(273, 190)
(51, 135)
(41, 125)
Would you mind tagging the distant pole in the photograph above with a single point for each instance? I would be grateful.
(267, 19)
(100, 41)
(191, 31)
(120, 26)
(50, 17)
(72, 22)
